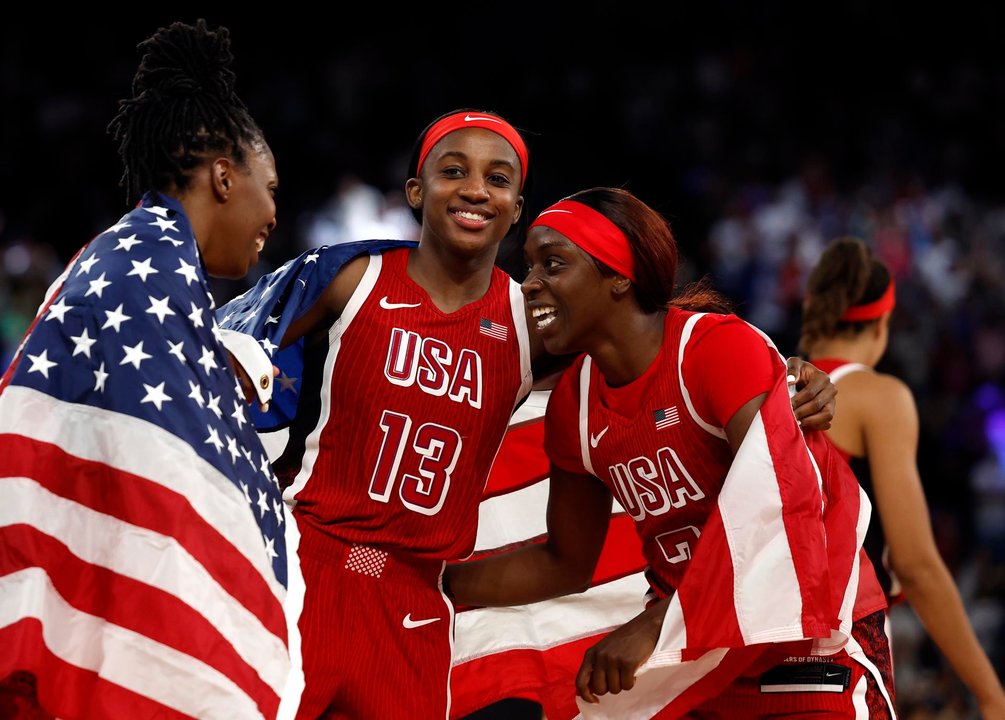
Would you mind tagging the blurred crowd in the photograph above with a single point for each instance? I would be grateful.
(758, 154)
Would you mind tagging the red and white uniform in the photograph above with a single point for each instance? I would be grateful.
(659, 446)
(414, 404)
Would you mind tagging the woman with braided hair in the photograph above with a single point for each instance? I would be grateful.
(143, 568)
(846, 327)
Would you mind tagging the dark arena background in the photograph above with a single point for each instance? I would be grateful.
(760, 130)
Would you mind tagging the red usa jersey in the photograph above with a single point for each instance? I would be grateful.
(664, 464)
(414, 404)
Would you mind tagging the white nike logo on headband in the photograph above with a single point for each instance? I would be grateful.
(469, 118)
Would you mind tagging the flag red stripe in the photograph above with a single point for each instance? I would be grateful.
(69, 691)
(101, 592)
(141, 502)
(546, 676)
(707, 596)
(521, 460)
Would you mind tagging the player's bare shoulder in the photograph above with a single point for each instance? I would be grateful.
(332, 302)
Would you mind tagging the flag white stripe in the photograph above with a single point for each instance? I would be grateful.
(141, 448)
(512, 517)
(655, 688)
(549, 623)
(121, 656)
(751, 508)
(141, 554)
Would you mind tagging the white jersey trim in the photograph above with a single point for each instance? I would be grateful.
(519, 311)
(839, 372)
(584, 414)
(685, 336)
(338, 328)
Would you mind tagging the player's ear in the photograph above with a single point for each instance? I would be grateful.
(413, 193)
(221, 177)
(620, 285)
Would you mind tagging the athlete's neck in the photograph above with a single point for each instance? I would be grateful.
(856, 350)
(628, 347)
(451, 282)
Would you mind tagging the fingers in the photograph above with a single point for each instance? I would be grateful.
(584, 678)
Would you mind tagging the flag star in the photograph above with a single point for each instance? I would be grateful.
(96, 287)
(247, 494)
(155, 395)
(232, 449)
(272, 320)
(287, 383)
(160, 309)
(188, 271)
(143, 269)
(247, 456)
(82, 344)
(40, 363)
(269, 346)
(165, 224)
(264, 467)
(312, 258)
(196, 316)
(126, 243)
(270, 548)
(168, 238)
(238, 415)
(263, 502)
(214, 440)
(278, 508)
(157, 210)
(115, 318)
(86, 265)
(226, 318)
(99, 378)
(134, 355)
(118, 226)
(178, 350)
(213, 404)
(195, 393)
(212, 302)
(58, 310)
(216, 331)
(207, 360)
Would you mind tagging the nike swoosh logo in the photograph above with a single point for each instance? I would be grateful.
(469, 118)
(410, 624)
(595, 439)
(387, 305)
(548, 212)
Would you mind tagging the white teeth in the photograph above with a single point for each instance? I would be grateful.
(470, 215)
(542, 324)
(539, 311)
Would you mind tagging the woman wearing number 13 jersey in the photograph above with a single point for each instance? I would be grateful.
(415, 359)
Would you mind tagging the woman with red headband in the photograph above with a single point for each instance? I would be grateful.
(846, 326)
(679, 412)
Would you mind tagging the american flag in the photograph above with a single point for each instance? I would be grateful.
(144, 568)
(665, 417)
(492, 329)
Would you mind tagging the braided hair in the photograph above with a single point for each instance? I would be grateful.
(183, 107)
(847, 274)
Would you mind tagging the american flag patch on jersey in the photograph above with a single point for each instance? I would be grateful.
(665, 417)
(492, 329)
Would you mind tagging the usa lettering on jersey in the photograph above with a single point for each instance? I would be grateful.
(645, 486)
(430, 365)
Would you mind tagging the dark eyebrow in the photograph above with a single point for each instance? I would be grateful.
(463, 156)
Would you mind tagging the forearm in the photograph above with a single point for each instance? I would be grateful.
(522, 576)
(933, 596)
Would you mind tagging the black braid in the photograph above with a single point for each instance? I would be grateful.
(183, 107)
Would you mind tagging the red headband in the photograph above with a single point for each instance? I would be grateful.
(874, 309)
(591, 231)
(461, 120)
